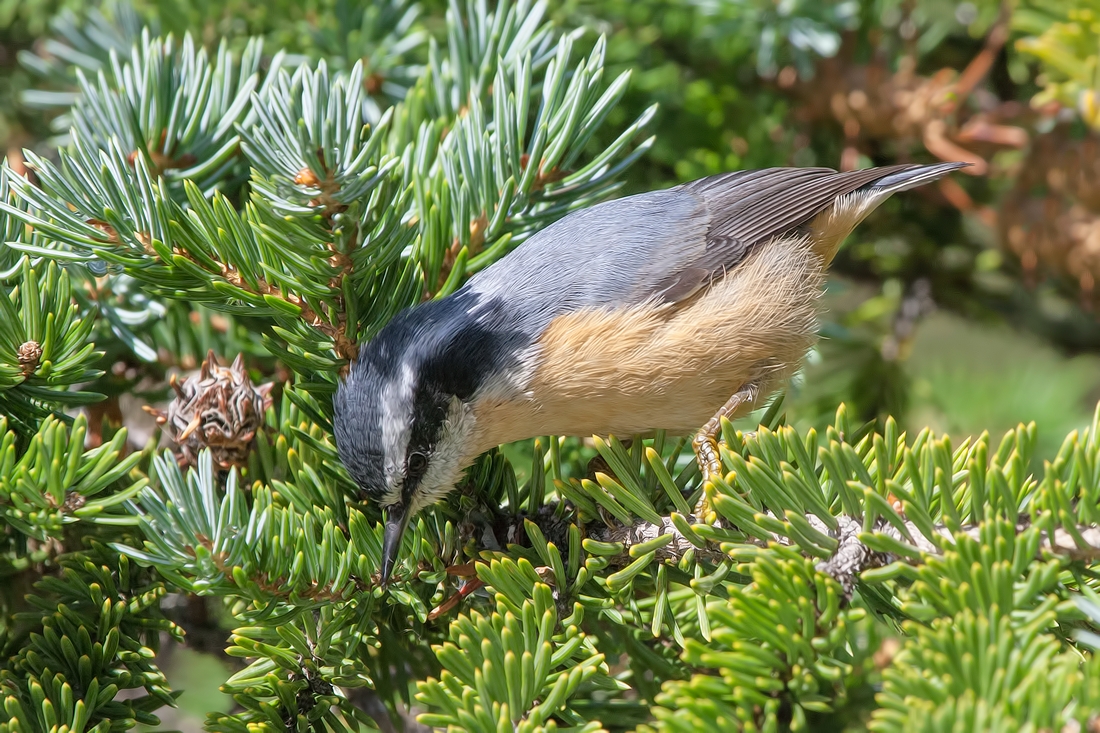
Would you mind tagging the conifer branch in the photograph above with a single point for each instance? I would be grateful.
(224, 200)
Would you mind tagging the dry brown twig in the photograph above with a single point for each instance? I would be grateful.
(904, 110)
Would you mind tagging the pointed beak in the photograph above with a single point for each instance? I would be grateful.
(397, 518)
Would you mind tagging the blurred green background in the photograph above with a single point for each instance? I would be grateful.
(965, 307)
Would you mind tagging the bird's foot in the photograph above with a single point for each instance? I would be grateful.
(710, 464)
(705, 444)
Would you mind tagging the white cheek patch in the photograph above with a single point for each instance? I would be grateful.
(397, 413)
(449, 459)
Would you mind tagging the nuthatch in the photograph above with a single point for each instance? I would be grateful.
(665, 310)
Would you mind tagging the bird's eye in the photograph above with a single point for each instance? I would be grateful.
(417, 464)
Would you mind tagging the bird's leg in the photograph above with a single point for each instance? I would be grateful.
(705, 444)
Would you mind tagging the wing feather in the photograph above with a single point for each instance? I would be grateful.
(662, 245)
(749, 208)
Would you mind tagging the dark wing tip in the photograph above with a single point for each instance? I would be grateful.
(914, 176)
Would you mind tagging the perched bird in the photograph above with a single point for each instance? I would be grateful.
(665, 310)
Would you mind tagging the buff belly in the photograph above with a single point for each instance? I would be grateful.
(637, 369)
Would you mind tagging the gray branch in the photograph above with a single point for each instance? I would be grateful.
(852, 557)
(642, 531)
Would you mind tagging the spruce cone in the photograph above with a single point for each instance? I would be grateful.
(215, 408)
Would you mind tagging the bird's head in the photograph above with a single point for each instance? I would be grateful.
(401, 434)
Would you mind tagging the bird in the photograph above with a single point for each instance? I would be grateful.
(666, 310)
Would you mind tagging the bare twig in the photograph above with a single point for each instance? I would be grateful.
(852, 556)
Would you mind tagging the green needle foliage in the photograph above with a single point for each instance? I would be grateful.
(514, 670)
(44, 345)
(92, 632)
(283, 206)
(53, 481)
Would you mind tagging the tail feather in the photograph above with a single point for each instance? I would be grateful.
(913, 177)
